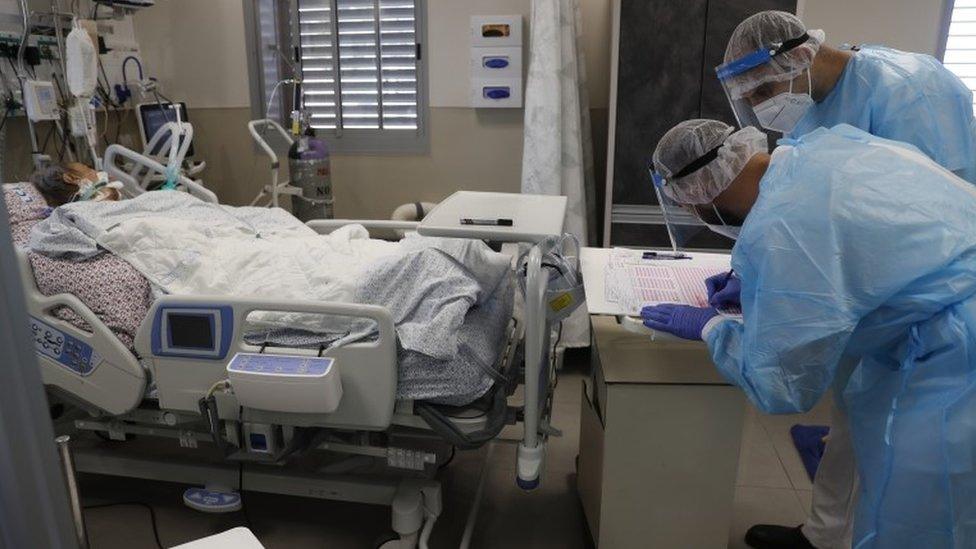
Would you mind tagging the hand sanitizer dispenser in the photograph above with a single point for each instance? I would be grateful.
(496, 61)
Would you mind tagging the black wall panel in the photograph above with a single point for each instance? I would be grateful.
(658, 82)
(640, 235)
(668, 52)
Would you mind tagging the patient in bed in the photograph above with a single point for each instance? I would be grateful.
(451, 299)
(60, 184)
(114, 290)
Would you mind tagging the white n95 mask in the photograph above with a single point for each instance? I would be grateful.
(783, 112)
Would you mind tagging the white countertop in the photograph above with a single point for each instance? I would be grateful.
(534, 217)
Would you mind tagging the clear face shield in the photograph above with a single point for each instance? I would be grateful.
(681, 222)
(685, 222)
(744, 95)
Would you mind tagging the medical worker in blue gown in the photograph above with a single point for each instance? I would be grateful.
(856, 261)
(782, 77)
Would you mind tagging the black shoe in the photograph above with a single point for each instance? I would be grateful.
(769, 536)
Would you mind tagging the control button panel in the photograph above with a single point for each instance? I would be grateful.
(70, 352)
(23, 196)
(282, 365)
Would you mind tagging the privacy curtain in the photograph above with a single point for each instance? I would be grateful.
(557, 157)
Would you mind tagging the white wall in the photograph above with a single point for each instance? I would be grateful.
(196, 48)
(911, 25)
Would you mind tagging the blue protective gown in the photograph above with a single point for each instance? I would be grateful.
(907, 97)
(858, 271)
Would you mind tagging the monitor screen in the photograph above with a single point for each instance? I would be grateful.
(191, 331)
(154, 117)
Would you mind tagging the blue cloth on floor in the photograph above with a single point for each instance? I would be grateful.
(809, 442)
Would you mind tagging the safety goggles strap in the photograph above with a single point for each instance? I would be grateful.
(791, 44)
(699, 162)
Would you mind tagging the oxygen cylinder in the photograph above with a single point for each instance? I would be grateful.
(310, 169)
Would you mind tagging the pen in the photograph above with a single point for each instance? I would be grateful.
(664, 255)
(500, 222)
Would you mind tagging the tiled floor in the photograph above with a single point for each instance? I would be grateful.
(772, 487)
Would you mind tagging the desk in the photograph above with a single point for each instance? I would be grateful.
(659, 441)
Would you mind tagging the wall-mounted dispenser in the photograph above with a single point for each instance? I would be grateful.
(496, 61)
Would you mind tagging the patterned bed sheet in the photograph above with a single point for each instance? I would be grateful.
(117, 293)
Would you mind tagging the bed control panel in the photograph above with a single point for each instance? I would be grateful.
(280, 365)
(286, 383)
(192, 331)
(70, 352)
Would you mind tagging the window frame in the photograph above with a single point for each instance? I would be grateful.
(342, 141)
(945, 23)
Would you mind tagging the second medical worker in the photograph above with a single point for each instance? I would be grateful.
(782, 77)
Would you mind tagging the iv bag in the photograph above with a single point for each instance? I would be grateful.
(82, 63)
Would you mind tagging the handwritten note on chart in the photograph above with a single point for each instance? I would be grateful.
(633, 282)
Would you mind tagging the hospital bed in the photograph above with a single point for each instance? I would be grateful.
(289, 403)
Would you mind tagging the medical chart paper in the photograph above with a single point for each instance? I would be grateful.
(629, 282)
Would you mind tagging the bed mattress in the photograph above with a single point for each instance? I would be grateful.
(121, 297)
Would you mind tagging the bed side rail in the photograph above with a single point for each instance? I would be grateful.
(368, 369)
(326, 226)
(92, 367)
(115, 154)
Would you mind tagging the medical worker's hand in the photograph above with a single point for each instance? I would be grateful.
(723, 290)
(683, 321)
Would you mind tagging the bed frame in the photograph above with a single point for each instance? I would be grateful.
(159, 397)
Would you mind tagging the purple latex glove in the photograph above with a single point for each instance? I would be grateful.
(723, 290)
(683, 321)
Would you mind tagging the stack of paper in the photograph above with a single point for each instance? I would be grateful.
(633, 282)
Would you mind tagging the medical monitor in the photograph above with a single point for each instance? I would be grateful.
(152, 116)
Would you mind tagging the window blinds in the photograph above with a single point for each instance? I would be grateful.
(960, 52)
(359, 63)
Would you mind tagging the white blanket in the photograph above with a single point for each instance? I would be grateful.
(208, 258)
(188, 247)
